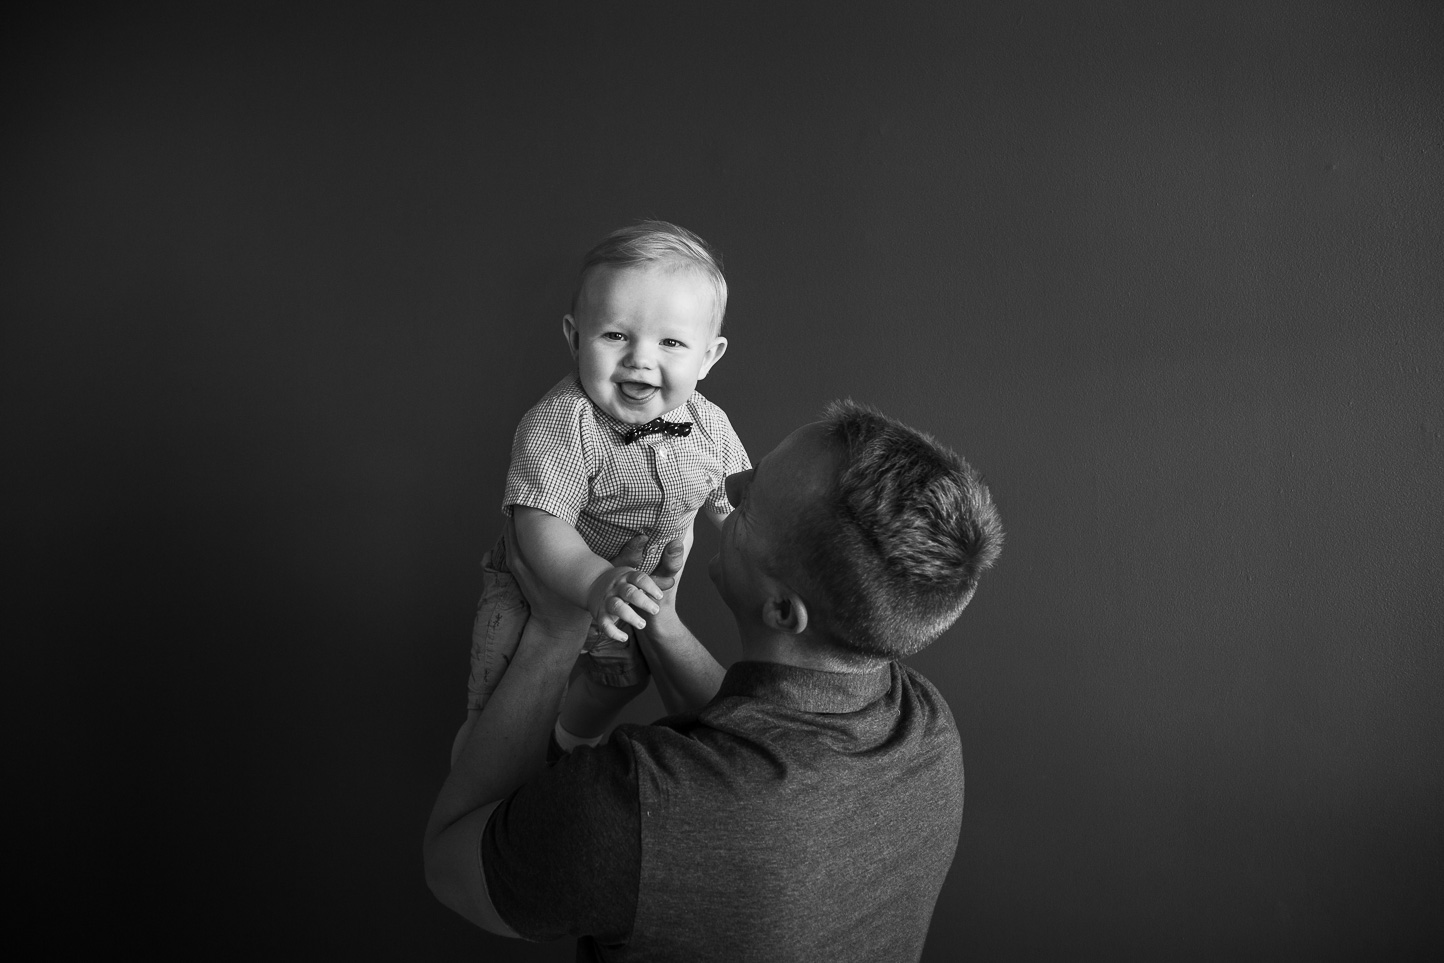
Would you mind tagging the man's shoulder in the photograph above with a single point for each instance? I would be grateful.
(923, 702)
(588, 786)
(921, 689)
(672, 748)
(768, 802)
(743, 736)
(675, 732)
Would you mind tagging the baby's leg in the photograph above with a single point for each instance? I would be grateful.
(501, 615)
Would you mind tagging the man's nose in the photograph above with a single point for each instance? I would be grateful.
(736, 485)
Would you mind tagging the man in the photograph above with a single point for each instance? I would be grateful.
(803, 805)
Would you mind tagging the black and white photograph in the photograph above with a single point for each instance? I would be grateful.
(762, 482)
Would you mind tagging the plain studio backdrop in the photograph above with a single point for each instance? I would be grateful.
(278, 282)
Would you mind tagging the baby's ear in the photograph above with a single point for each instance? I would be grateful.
(569, 331)
(714, 354)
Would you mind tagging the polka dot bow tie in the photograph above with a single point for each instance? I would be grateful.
(677, 429)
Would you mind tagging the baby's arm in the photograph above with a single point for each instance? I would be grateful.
(564, 563)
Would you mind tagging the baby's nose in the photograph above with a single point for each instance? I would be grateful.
(639, 356)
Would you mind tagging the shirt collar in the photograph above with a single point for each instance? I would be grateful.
(810, 690)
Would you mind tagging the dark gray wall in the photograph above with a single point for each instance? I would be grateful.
(277, 285)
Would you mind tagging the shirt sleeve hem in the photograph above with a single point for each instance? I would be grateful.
(487, 916)
(541, 501)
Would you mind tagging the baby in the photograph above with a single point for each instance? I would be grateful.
(622, 446)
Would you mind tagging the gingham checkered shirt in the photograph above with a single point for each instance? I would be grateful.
(568, 459)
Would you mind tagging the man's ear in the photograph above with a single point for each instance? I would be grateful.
(784, 611)
(714, 354)
(569, 331)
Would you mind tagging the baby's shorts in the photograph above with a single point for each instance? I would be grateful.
(501, 615)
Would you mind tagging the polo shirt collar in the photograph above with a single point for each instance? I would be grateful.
(809, 690)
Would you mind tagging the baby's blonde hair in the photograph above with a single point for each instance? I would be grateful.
(664, 244)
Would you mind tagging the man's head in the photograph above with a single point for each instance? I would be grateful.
(645, 320)
(878, 533)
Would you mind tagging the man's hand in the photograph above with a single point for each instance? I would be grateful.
(666, 576)
(686, 674)
(668, 569)
(667, 573)
(615, 597)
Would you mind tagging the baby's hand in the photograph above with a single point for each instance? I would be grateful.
(615, 597)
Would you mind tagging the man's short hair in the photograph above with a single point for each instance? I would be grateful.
(664, 244)
(898, 544)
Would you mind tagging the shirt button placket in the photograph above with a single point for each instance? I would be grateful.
(671, 484)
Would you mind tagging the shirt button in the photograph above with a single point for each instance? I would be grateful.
(661, 454)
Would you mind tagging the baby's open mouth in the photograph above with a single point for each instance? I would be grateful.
(636, 390)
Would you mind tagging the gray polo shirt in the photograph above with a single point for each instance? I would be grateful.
(801, 815)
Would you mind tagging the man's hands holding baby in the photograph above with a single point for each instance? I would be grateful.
(616, 599)
(618, 596)
(659, 591)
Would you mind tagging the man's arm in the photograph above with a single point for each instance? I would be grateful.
(506, 748)
(687, 675)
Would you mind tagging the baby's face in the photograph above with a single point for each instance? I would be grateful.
(642, 337)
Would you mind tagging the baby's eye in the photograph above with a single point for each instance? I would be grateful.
(614, 336)
(672, 343)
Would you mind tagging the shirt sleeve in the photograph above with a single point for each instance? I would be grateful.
(549, 463)
(734, 459)
(562, 854)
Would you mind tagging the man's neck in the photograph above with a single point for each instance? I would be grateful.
(805, 651)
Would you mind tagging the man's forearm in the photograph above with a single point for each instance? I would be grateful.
(687, 675)
(505, 749)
